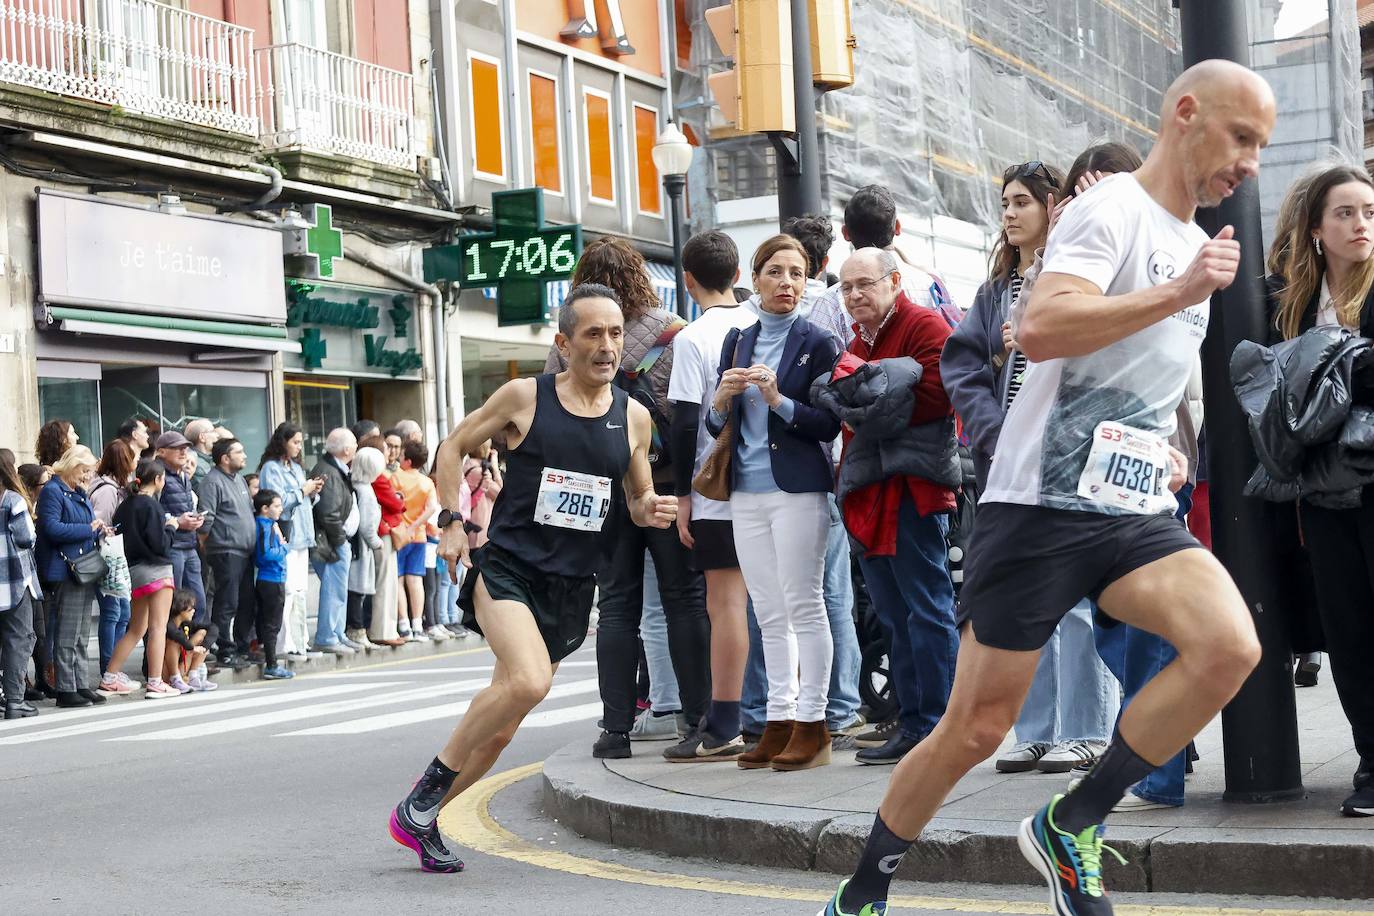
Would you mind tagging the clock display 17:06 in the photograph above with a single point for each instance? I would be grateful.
(497, 259)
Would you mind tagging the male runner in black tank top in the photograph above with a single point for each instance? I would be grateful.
(571, 439)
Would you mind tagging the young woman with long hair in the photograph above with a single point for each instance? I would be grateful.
(1323, 274)
(108, 491)
(54, 438)
(148, 547)
(19, 587)
(280, 470)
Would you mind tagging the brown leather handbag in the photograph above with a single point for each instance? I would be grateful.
(713, 480)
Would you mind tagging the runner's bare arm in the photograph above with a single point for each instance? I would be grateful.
(511, 406)
(647, 508)
(1069, 316)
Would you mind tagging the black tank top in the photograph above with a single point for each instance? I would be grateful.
(555, 507)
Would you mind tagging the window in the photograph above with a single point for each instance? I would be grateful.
(600, 158)
(646, 174)
(317, 407)
(484, 101)
(76, 400)
(545, 131)
(242, 409)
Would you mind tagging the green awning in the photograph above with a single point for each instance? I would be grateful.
(226, 335)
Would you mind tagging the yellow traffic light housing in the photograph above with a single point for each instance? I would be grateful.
(832, 44)
(757, 96)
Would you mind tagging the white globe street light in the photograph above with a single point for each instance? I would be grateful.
(673, 157)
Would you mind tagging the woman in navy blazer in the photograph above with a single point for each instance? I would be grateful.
(68, 528)
(781, 476)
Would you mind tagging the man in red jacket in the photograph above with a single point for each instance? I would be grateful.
(901, 521)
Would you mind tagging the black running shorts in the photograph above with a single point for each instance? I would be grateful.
(713, 544)
(561, 605)
(1029, 565)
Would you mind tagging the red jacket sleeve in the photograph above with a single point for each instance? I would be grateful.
(927, 341)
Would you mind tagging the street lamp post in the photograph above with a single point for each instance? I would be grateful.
(673, 157)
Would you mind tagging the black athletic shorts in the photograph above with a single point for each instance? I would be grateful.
(561, 605)
(1029, 565)
(713, 544)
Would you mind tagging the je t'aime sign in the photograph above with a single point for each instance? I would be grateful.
(104, 254)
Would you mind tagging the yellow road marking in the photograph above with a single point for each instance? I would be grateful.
(467, 819)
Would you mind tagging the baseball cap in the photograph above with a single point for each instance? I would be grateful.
(171, 439)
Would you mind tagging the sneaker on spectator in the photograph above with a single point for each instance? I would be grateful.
(879, 735)
(438, 633)
(296, 656)
(840, 741)
(277, 673)
(419, 637)
(352, 644)
(1023, 757)
(458, 630)
(335, 648)
(649, 727)
(124, 680)
(179, 685)
(111, 687)
(857, 727)
(158, 689)
(201, 684)
(1066, 755)
(1078, 773)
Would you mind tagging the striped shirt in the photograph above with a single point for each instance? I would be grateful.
(1018, 359)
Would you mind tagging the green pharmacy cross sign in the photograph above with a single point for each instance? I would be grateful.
(518, 257)
(320, 244)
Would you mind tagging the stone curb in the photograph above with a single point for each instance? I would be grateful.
(610, 808)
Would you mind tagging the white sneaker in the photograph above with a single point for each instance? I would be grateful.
(1022, 758)
(201, 684)
(180, 686)
(1133, 802)
(438, 634)
(649, 727)
(1066, 755)
(297, 656)
(417, 637)
(336, 649)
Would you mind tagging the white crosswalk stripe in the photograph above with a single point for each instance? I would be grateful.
(280, 710)
(427, 714)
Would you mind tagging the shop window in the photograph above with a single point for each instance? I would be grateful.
(646, 133)
(600, 158)
(485, 104)
(242, 410)
(76, 400)
(317, 407)
(545, 139)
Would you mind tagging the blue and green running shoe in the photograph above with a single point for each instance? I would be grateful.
(1071, 864)
(869, 909)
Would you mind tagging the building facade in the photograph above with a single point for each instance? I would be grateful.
(181, 182)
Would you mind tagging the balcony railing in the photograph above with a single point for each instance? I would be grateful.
(141, 55)
(321, 101)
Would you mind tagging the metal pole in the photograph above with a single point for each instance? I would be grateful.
(1260, 726)
(799, 174)
(674, 185)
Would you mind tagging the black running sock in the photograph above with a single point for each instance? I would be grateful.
(422, 804)
(722, 720)
(881, 857)
(1092, 800)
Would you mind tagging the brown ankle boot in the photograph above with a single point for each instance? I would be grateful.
(775, 738)
(809, 747)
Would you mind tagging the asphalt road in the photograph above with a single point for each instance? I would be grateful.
(275, 798)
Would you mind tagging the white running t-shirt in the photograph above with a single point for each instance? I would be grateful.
(696, 361)
(1121, 240)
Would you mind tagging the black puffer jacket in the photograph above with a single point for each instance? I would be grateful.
(876, 403)
(1310, 418)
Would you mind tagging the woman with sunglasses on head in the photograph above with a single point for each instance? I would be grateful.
(1068, 713)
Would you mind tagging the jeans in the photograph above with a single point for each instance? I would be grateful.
(1073, 696)
(186, 574)
(778, 537)
(653, 632)
(445, 596)
(114, 622)
(842, 705)
(333, 610)
(620, 602)
(914, 600)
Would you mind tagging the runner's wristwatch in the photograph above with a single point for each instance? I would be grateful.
(447, 517)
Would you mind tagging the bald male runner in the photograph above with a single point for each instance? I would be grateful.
(1078, 501)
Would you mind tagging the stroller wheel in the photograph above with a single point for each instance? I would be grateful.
(875, 684)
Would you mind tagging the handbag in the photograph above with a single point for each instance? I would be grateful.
(88, 568)
(116, 580)
(713, 480)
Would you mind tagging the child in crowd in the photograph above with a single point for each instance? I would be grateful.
(187, 646)
(270, 560)
(252, 481)
(421, 504)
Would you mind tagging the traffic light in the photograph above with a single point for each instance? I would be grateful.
(757, 95)
(832, 44)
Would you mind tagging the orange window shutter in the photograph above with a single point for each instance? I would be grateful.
(544, 133)
(487, 144)
(646, 133)
(600, 168)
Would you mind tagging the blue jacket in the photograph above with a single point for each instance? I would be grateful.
(177, 498)
(796, 449)
(270, 555)
(972, 369)
(64, 528)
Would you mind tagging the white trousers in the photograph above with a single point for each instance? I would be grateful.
(295, 635)
(780, 540)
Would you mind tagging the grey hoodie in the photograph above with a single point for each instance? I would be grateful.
(229, 523)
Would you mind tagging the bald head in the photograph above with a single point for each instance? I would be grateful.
(1218, 83)
(869, 285)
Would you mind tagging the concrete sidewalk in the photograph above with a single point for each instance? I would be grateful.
(818, 819)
